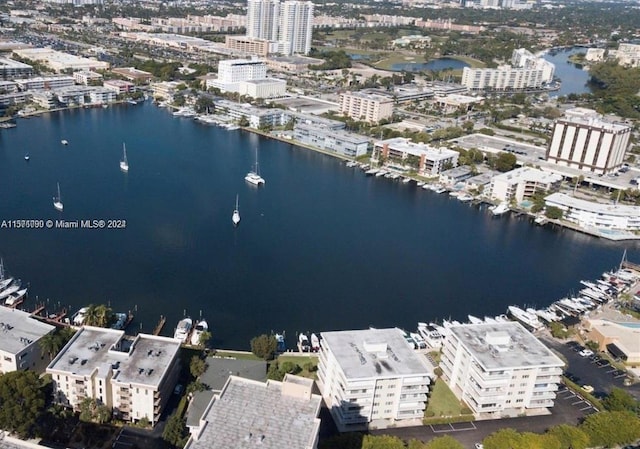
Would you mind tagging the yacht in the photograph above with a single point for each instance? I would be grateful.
(474, 320)
(465, 197)
(183, 329)
(57, 200)
(200, 328)
(253, 177)
(529, 320)
(303, 343)
(15, 299)
(499, 209)
(4, 283)
(78, 318)
(420, 342)
(9, 290)
(235, 218)
(315, 343)
(371, 172)
(124, 163)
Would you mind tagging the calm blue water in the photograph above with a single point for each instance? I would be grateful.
(435, 64)
(320, 247)
(574, 79)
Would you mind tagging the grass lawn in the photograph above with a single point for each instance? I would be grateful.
(397, 58)
(443, 402)
(301, 362)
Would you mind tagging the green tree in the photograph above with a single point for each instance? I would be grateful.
(505, 162)
(50, 345)
(98, 315)
(22, 400)
(555, 213)
(243, 121)
(264, 346)
(619, 400)
(570, 437)
(444, 442)
(382, 442)
(93, 411)
(609, 429)
(502, 439)
(197, 366)
(205, 336)
(175, 431)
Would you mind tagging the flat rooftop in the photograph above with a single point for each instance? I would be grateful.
(405, 145)
(18, 330)
(369, 353)
(250, 414)
(142, 360)
(528, 174)
(504, 346)
(625, 335)
(618, 210)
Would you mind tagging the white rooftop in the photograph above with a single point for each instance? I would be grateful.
(504, 346)
(18, 330)
(620, 210)
(585, 116)
(528, 174)
(11, 64)
(405, 145)
(251, 414)
(374, 353)
(143, 360)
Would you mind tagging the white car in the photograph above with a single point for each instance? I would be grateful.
(586, 353)
(479, 446)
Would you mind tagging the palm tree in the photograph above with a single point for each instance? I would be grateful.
(50, 344)
(98, 315)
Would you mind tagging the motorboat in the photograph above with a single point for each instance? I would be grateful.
(474, 320)
(124, 163)
(235, 218)
(80, 316)
(201, 327)
(499, 209)
(303, 343)
(183, 329)
(27, 157)
(64, 142)
(529, 320)
(57, 201)
(121, 320)
(14, 299)
(281, 345)
(315, 343)
(9, 290)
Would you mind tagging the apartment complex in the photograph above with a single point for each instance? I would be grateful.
(588, 214)
(372, 378)
(45, 82)
(499, 368)
(249, 45)
(521, 184)
(10, 69)
(582, 139)
(19, 345)
(288, 23)
(133, 376)
(86, 77)
(401, 152)
(526, 71)
(366, 106)
(247, 77)
(59, 61)
(271, 415)
(334, 141)
(627, 54)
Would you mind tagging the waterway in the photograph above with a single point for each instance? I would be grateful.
(435, 64)
(320, 246)
(574, 78)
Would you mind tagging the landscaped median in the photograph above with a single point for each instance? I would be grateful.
(444, 407)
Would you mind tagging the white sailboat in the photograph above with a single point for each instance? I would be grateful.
(253, 177)
(57, 200)
(124, 163)
(235, 218)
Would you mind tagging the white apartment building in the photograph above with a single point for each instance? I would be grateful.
(589, 215)
(165, 89)
(134, 376)
(266, 88)
(247, 77)
(19, 345)
(10, 69)
(627, 54)
(263, 19)
(102, 95)
(236, 70)
(119, 86)
(430, 161)
(45, 82)
(583, 140)
(86, 77)
(271, 415)
(521, 184)
(372, 378)
(499, 368)
(365, 106)
(296, 22)
(526, 72)
(335, 141)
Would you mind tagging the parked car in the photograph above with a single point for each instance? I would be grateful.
(587, 388)
(586, 353)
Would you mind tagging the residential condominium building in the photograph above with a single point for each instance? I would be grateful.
(133, 376)
(366, 106)
(372, 378)
(45, 82)
(499, 368)
(627, 54)
(10, 69)
(288, 23)
(263, 19)
(271, 415)
(402, 153)
(247, 77)
(339, 142)
(590, 215)
(583, 140)
(521, 184)
(250, 45)
(86, 77)
(526, 72)
(20, 342)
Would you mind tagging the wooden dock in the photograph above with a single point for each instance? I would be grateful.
(160, 325)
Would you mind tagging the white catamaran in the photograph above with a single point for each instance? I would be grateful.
(253, 177)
